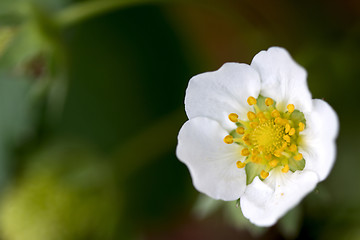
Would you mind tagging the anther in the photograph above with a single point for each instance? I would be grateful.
(287, 128)
(251, 116)
(268, 157)
(292, 131)
(290, 108)
(293, 148)
(301, 126)
(233, 117)
(240, 130)
(277, 153)
(275, 113)
(269, 101)
(298, 157)
(286, 138)
(229, 139)
(245, 152)
(251, 101)
(261, 148)
(260, 115)
(255, 151)
(253, 125)
(264, 174)
(245, 138)
(240, 164)
(285, 168)
(273, 163)
(255, 159)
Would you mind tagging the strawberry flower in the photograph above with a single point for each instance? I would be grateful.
(255, 133)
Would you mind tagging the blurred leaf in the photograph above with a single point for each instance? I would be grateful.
(66, 192)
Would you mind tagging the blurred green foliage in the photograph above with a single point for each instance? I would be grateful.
(91, 100)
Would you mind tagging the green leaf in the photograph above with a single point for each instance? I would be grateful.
(296, 165)
(252, 170)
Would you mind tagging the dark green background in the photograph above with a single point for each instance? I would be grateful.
(91, 103)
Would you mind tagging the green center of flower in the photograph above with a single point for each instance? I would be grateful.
(269, 139)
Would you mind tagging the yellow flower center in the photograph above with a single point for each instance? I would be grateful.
(269, 138)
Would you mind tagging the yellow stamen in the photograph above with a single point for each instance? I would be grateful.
(284, 145)
(261, 148)
(246, 140)
(240, 130)
(229, 139)
(273, 163)
(285, 168)
(275, 113)
(255, 151)
(233, 117)
(268, 157)
(245, 152)
(260, 115)
(264, 174)
(286, 138)
(292, 131)
(278, 120)
(269, 101)
(255, 159)
(251, 116)
(301, 126)
(290, 108)
(251, 101)
(287, 128)
(277, 153)
(240, 164)
(298, 157)
(253, 125)
(293, 148)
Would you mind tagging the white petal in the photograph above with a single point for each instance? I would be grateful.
(264, 202)
(282, 79)
(318, 147)
(217, 94)
(212, 163)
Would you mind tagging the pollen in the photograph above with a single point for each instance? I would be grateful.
(269, 139)
(251, 101)
(264, 174)
(240, 164)
(290, 108)
(293, 148)
(286, 138)
(287, 128)
(233, 117)
(269, 101)
(245, 152)
(292, 131)
(240, 130)
(229, 139)
(273, 163)
(275, 113)
(285, 169)
(298, 157)
(251, 116)
(301, 126)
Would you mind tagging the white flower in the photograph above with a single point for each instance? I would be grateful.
(255, 133)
